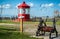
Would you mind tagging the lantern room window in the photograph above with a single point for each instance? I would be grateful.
(24, 10)
(27, 11)
(20, 11)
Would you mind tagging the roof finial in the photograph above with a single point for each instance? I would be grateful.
(23, 1)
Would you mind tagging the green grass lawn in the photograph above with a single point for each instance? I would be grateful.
(7, 21)
(8, 33)
(14, 35)
(28, 22)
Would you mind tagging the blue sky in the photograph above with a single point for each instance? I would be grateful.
(38, 7)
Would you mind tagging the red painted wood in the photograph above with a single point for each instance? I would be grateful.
(23, 5)
(26, 17)
(47, 29)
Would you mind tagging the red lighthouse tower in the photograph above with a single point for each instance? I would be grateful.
(24, 11)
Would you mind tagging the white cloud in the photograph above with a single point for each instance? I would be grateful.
(8, 5)
(47, 5)
(59, 4)
(30, 4)
(0, 6)
(5, 6)
(17, 5)
(51, 4)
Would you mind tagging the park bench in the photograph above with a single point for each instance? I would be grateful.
(47, 29)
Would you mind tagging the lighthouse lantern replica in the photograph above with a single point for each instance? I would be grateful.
(24, 11)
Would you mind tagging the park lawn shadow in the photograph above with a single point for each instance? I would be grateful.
(11, 29)
(5, 34)
(9, 35)
(14, 35)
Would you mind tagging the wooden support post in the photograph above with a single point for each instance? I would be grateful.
(21, 24)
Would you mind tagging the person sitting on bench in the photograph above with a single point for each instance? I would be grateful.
(40, 26)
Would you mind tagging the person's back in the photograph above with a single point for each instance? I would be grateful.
(42, 22)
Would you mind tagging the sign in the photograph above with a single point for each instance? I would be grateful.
(21, 17)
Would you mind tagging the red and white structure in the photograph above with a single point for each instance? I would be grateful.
(24, 10)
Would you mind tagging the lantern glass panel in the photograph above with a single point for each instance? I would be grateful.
(27, 11)
(23, 10)
(20, 11)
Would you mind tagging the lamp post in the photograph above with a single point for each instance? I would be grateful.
(21, 23)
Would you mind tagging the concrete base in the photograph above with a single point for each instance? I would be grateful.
(45, 37)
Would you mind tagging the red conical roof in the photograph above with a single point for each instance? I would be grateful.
(23, 5)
